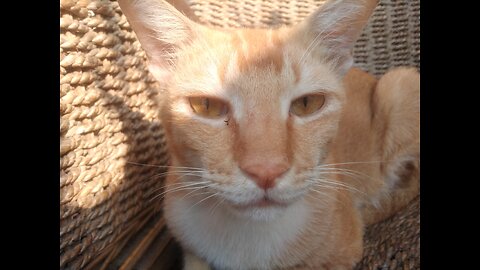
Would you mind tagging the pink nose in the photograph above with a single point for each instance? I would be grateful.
(265, 174)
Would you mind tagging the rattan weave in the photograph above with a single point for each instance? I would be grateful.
(392, 37)
(109, 120)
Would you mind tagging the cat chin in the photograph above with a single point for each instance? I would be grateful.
(259, 213)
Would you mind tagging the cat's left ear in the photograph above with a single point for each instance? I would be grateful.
(334, 28)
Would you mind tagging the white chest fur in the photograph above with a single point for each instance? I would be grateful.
(230, 242)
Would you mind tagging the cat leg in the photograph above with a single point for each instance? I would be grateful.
(192, 262)
(396, 105)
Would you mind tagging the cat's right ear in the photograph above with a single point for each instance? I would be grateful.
(161, 30)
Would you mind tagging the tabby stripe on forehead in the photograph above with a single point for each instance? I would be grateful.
(296, 71)
(257, 48)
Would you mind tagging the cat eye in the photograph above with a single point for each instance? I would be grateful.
(208, 107)
(307, 104)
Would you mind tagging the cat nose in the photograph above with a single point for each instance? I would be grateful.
(265, 174)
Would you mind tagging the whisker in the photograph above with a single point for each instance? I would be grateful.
(197, 194)
(161, 196)
(181, 174)
(180, 184)
(334, 182)
(202, 183)
(164, 166)
(310, 47)
(177, 189)
(354, 174)
(174, 170)
(352, 162)
(206, 198)
(216, 206)
(326, 195)
(185, 182)
(349, 172)
(319, 200)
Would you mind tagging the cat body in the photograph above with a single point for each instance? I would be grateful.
(280, 152)
(324, 229)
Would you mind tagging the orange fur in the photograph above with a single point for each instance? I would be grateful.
(257, 49)
(260, 187)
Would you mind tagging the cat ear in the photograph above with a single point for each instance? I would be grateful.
(161, 30)
(336, 26)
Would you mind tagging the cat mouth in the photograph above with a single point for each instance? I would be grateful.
(262, 203)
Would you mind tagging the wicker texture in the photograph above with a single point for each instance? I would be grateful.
(394, 243)
(109, 115)
(391, 38)
(108, 121)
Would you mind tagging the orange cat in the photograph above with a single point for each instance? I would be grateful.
(280, 152)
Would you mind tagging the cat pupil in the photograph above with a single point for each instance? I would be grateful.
(305, 101)
(207, 103)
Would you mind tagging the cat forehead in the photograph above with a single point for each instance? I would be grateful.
(245, 60)
(242, 49)
(258, 49)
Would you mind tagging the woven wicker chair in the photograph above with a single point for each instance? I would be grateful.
(109, 216)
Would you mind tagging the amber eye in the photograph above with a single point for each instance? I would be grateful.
(208, 107)
(307, 104)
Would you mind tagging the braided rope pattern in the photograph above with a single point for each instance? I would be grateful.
(394, 243)
(391, 38)
(109, 119)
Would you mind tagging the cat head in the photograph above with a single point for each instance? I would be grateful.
(253, 110)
